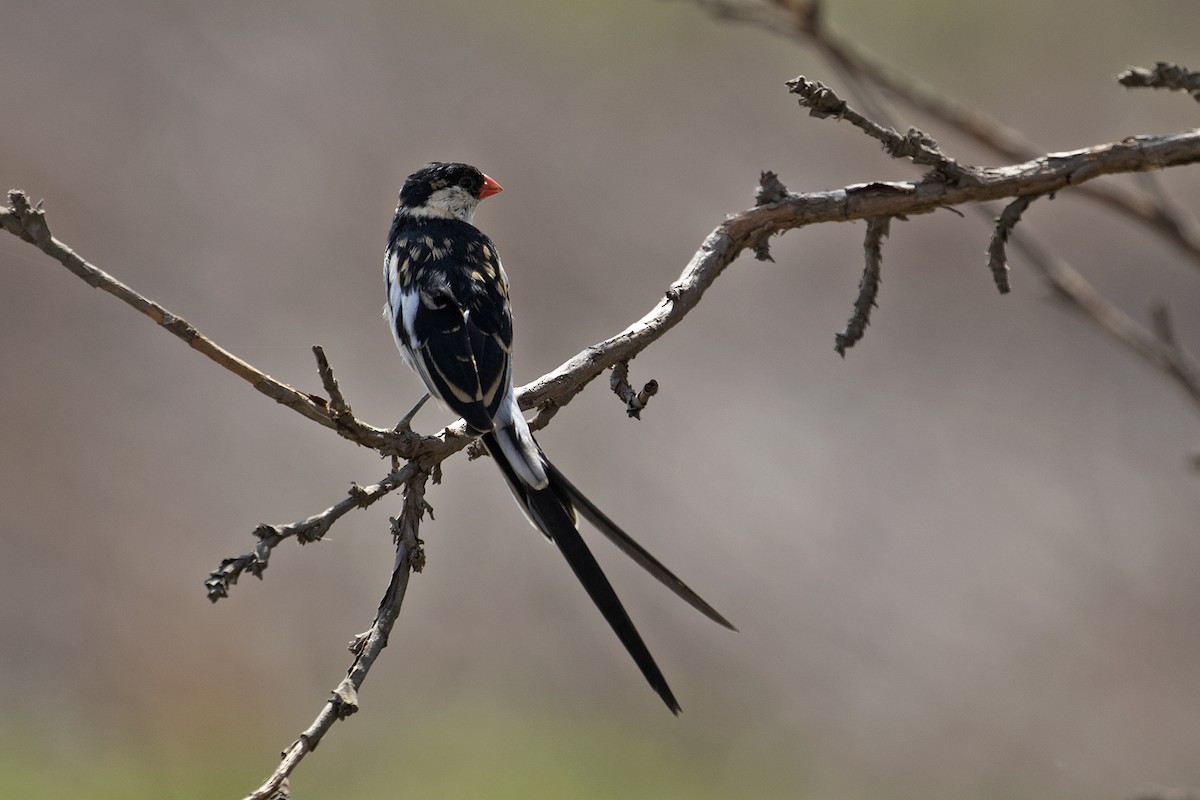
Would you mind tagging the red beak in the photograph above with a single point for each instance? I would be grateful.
(490, 187)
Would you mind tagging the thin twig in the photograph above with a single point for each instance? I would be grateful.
(634, 400)
(998, 246)
(545, 413)
(367, 646)
(868, 285)
(769, 190)
(305, 531)
(338, 407)
(916, 145)
(29, 223)
(1070, 285)
(1164, 75)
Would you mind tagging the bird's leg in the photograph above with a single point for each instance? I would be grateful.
(405, 423)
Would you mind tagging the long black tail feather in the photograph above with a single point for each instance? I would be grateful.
(550, 509)
(631, 548)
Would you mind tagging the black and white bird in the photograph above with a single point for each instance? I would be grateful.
(448, 307)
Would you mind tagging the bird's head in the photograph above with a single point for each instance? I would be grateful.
(446, 190)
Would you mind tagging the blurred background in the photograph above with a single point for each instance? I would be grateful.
(963, 560)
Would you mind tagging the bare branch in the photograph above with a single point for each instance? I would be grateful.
(800, 20)
(1071, 286)
(545, 413)
(400, 442)
(916, 145)
(998, 247)
(1164, 76)
(337, 402)
(770, 189)
(892, 199)
(868, 286)
(305, 531)
(366, 646)
(30, 224)
(635, 401)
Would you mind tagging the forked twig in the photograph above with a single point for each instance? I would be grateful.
(367, 646)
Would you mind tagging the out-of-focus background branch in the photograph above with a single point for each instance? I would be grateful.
(961, 560)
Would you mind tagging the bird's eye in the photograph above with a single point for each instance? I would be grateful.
(465, 183)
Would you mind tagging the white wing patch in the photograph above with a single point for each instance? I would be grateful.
(401, 310)
(409, 301)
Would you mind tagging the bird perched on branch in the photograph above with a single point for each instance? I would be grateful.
(447, 304)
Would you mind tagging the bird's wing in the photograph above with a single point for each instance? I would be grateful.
(443, 355)
(489, 328)
(453, 319)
